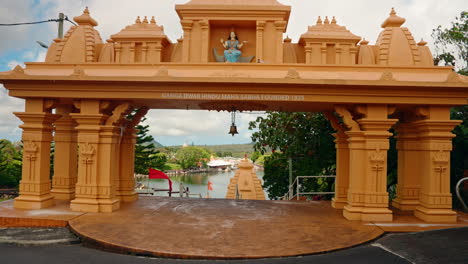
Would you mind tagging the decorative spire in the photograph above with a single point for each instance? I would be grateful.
(364, 42)
(393, 20)
(145, 21)
(319, 21)
(153, 21)
(326, 20)
(287, 39)
(422, 43)
(333, 21)
(85, 19)
(138, 20)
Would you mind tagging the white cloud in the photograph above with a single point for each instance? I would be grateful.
(12, 64)
(8, 122)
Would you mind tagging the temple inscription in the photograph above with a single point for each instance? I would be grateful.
(249, 97)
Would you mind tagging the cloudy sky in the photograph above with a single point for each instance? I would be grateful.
(362, 17)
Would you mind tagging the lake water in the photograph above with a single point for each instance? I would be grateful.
(198, 183)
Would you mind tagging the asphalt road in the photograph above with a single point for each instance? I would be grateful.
(443, 246)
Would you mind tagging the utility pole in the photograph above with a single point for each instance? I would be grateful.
(290, 171)
(60, 26)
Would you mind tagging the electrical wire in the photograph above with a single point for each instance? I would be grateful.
(39, 22)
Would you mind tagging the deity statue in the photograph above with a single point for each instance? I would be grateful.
(232, 47)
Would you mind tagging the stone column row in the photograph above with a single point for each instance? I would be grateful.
(424, 145)
(94, 152)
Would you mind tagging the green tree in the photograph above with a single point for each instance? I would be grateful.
(189, 157)
(255, 155)
(305, 137)
(452, 44)
(452, 50)
(146, 155)
(10, 163)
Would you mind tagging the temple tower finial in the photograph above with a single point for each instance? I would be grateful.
(85, 19)
(319, 21)
(393, 20)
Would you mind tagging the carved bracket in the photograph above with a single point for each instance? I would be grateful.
(348, 120)
(119, 113)
(138, 117)
(335, 123)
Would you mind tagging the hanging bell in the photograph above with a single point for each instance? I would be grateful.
(233, 130)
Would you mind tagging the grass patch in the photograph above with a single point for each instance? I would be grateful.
(1, 200)
(172, 166)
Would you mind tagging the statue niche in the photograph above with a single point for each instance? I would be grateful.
(232, 50)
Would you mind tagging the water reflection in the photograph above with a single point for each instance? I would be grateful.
(198, 183)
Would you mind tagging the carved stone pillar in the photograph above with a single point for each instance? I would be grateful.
(109, 169)
(342, 163)
(280, 27)
(435, 137)
(144, 53)
(339, 54)
(260, 29)
(187, 27)
(98, 170)
(158, 52)
(409, 178)
(323, 53)
(86, 194)
(308, 53)
(205, 27)
(35, 182)
(368, 145)
(89, 195)
(66, 155)
(118, 50)
(342, 171)
(353, 51)
(126, 190)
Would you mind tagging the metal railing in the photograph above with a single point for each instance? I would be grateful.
(457, 190)
(296, 185)
(183, 191)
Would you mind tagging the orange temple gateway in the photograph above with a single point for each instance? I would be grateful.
(233, 55)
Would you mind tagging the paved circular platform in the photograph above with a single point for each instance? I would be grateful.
(223, 229)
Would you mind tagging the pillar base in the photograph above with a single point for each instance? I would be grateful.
(128, 197)
(29, 202)
(95, 205)
(63, 194)
(435, 215)
(405, 205)
(367, 214)
(338, 203)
